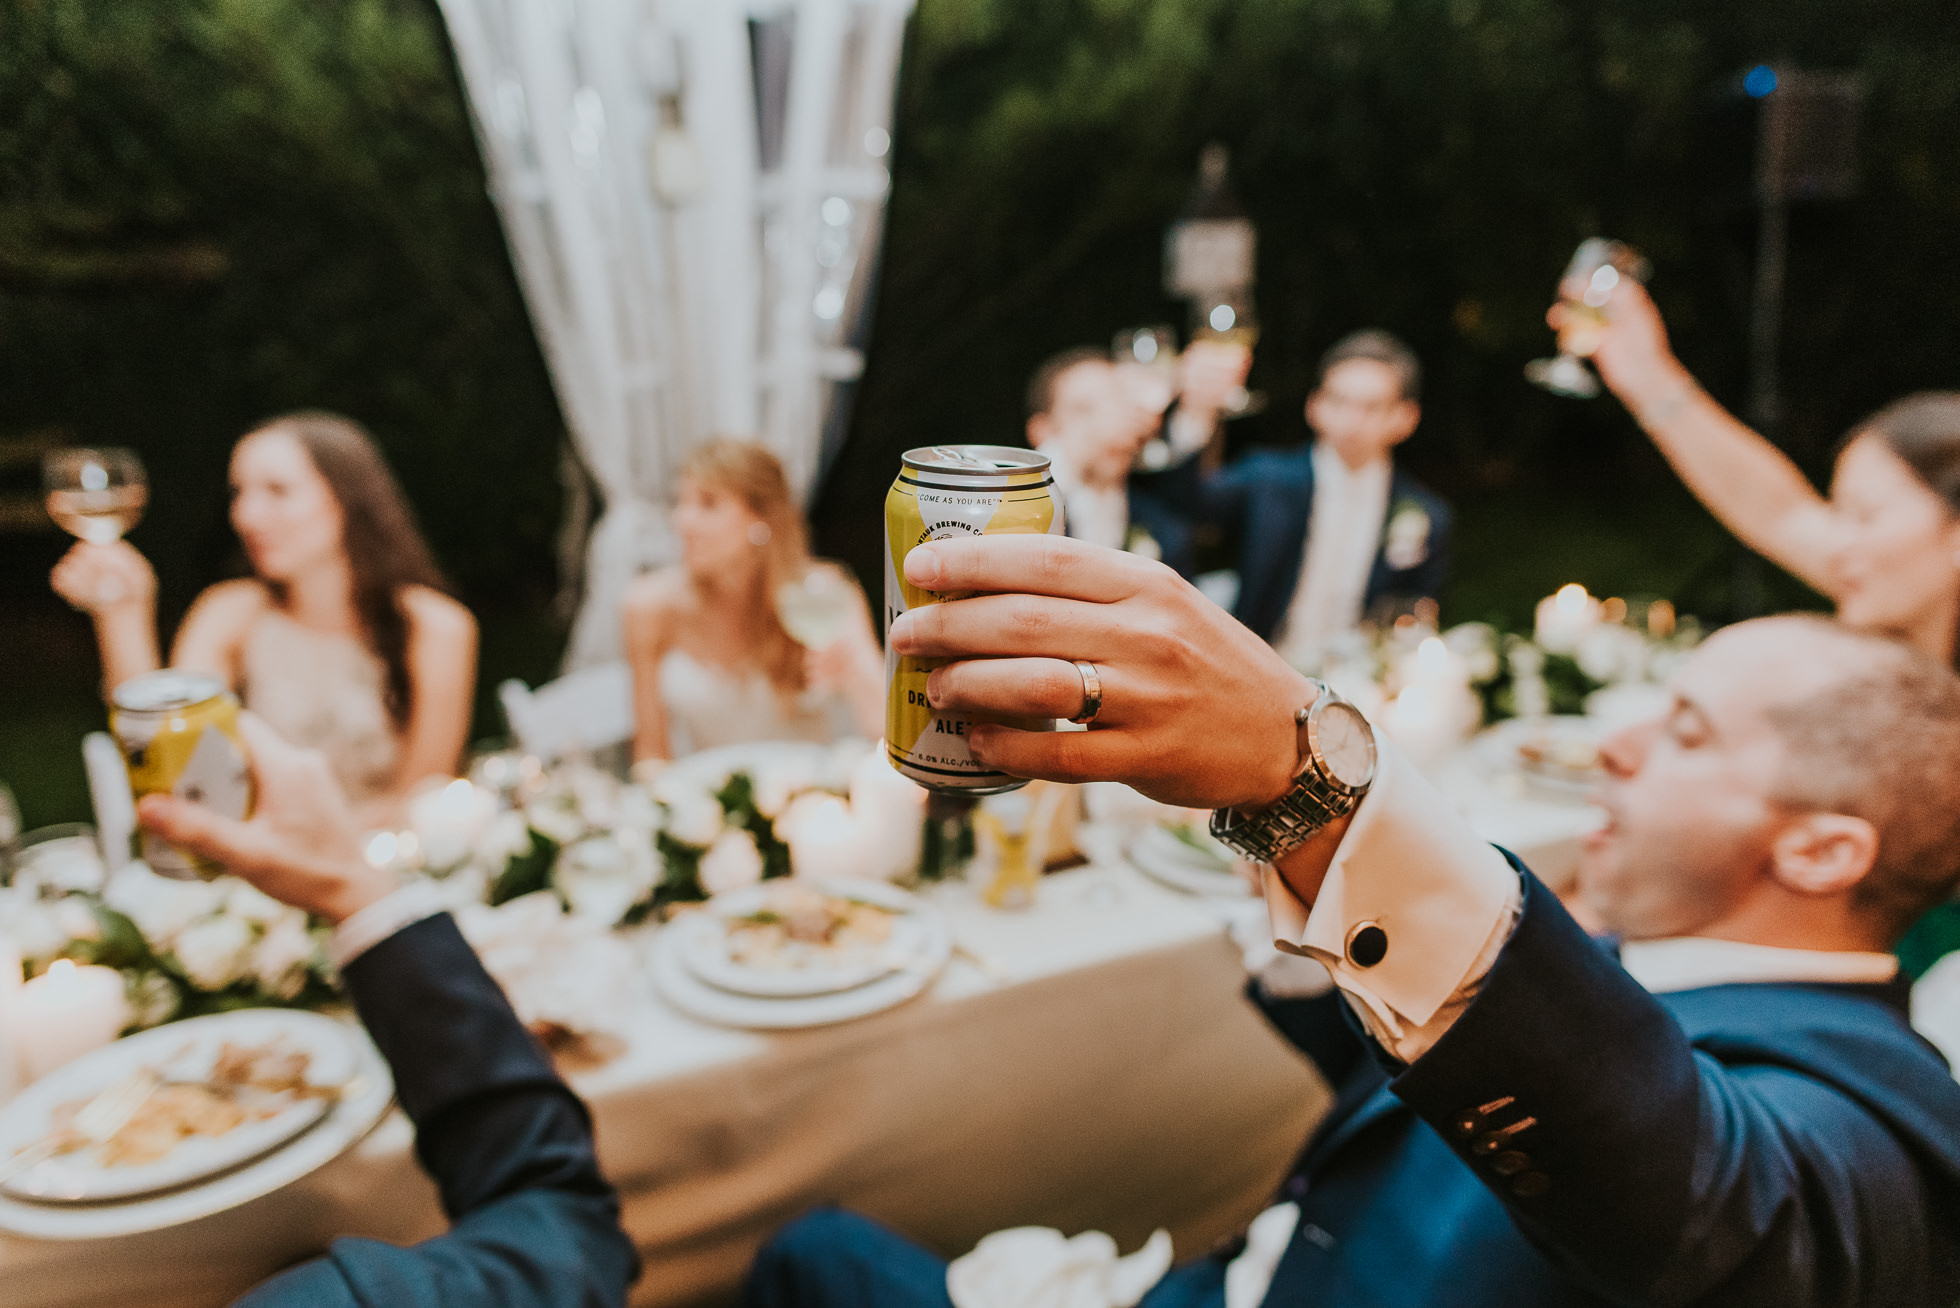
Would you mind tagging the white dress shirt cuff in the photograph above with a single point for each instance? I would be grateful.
(370, 926)
(1444, 900)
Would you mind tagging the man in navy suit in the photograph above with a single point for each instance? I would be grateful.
(1734, 1111)
(1085, 419)
(533, 1224)
(1334, 532)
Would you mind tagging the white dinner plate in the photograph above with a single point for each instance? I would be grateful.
(369, 1095)
(182, 1051)
(1162, 856)
(703, 941)
(679, 986)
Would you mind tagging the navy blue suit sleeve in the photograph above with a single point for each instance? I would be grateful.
(534, 1224)
(1318, 1026)
(1655, 1173)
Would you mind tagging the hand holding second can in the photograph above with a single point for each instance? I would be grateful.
(301, 844)
(1196, 711)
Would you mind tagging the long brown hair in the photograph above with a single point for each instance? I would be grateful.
(755, 476)
(1923, 430)
(385, 552)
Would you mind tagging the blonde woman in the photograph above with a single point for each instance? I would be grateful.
(712, 664)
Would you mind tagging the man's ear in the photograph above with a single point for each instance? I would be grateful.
(1040, 428)
(1408, 416)
(1823, 853)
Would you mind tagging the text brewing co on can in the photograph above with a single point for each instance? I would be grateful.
(179, 734)
(946, 491)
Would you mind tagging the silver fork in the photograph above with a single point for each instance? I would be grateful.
(100, 1118)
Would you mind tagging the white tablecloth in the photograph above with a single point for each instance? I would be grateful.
(1101, 1071)
(1104, 1072)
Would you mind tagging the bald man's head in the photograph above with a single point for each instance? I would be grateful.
(1801, 764)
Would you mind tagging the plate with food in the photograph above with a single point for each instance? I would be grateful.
(792, 938)
(221, 1091)
(1183, 855)
(1559, 755)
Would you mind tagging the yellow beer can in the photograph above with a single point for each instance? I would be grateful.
(179, 735)
(944, 492)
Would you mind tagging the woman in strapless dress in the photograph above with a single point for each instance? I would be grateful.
(712, 664)
(342, 638)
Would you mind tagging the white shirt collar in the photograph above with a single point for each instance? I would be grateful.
(1097, 514)
(1691, 962)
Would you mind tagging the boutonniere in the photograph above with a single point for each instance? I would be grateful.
(1405, 541)
(1140, 542)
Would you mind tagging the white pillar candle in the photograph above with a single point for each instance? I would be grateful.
(9, 1000)
(824, 841)
(1564, 617)
(65, 1013)
(890, 813)
(447, 820)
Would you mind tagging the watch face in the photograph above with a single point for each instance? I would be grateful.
(1344, 744)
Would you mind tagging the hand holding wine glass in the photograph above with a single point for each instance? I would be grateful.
(1597, 268)
(823, 610)
(1632, 352)
(97, 495)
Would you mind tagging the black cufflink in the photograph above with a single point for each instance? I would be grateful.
(1367, 944)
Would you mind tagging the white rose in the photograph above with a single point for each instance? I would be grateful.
(507, 836)
(1611, 653)
(216, 951)
(731, 863)
(243, 899)
(61, 866)
(598, 879)
(555, 821)
(637, 810)
(76, 920)
(1476, 644)
(159, 906)
(283, 955)
(694, 818)
(35, 931)
(772, 785)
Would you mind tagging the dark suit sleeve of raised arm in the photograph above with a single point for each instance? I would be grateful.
(507, 1142)
(1654, 1173)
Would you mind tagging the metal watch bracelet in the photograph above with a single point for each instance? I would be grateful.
(1270, 834)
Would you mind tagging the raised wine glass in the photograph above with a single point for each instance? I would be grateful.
(95, 494)
(1229, 320)
(818, 603)
(1596, 268)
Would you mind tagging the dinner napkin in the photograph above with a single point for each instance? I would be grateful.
(1250, 1275)
(1039, 1267)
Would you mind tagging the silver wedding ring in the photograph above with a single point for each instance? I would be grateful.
(1091, 693)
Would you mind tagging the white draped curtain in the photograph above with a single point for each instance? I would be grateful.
(693, 192)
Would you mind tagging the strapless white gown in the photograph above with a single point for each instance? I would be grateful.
(709, 706)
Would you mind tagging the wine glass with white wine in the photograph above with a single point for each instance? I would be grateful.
(96, 495)
(818, 603)
(1596, 268)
